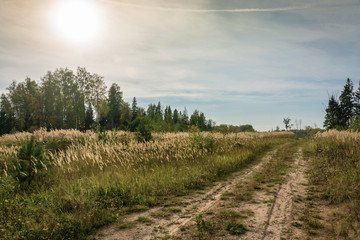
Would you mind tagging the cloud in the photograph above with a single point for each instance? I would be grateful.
(193, 10)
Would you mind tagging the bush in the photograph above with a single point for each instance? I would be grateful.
(143, 133)
(31, 162)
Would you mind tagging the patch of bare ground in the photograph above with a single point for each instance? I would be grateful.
(178, 215)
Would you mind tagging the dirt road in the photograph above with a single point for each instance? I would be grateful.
(269, 215)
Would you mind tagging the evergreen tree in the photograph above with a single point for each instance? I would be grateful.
(158, 111)
(168, 115)
(176, 116)
(134, 109)
(347, 104)
(333, 114)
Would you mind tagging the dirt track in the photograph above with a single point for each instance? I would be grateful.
(271, 220)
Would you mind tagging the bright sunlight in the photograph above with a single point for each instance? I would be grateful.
(77, 20)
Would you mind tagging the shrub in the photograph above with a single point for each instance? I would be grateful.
(143, 133)
(30, 162)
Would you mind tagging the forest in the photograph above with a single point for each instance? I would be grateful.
(64, 99)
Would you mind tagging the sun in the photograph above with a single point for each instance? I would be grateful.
(77, 20)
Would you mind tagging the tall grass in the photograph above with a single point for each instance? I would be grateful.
(94, 178)
(336, 167)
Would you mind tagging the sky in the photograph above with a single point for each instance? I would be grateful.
(238, 61)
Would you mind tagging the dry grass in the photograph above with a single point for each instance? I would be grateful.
(94, 177)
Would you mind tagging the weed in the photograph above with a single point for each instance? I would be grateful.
(315, 224)
(235, 228)
(296, 224)
(161, 214)
(202, 226)
(145, 220)
(229, 215)
(123, 225)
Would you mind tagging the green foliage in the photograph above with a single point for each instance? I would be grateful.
(31, 162)
(235, 228)
(143, 133)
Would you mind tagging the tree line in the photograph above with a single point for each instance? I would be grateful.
(64, 99)
(344, 112)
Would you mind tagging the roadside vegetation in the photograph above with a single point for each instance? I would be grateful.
(335, 177)
(63, 184)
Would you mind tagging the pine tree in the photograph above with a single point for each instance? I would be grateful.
(347, 104)
(333, 114)
(134, 109)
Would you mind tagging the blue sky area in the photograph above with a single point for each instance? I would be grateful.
(238, 61)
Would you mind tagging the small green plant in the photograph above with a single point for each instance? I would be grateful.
(202, 226)
(31, 162)
(235, 228)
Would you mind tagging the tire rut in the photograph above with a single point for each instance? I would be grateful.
(281, 215)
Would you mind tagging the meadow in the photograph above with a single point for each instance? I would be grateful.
(63, 184)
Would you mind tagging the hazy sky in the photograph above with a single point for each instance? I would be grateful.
(238, 61)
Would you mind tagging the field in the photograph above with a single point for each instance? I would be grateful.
(67, 184)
